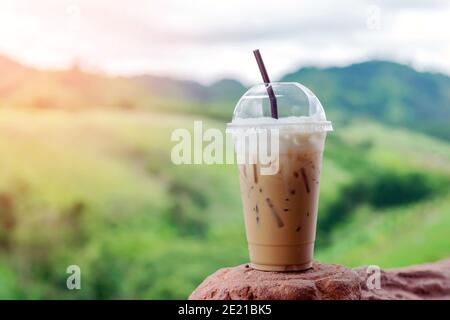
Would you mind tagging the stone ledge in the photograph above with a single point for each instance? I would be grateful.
(320, 282)
(426, 281)
(326, 281)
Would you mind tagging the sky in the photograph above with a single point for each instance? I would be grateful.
(206, 40)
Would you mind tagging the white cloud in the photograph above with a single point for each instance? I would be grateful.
(208, 39)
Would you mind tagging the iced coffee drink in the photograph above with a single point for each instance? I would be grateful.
(280, 208)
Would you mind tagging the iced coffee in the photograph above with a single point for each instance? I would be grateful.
(280, 209)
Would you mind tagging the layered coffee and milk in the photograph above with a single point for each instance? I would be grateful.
(280, 208)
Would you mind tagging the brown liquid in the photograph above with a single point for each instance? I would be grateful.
(281, 211)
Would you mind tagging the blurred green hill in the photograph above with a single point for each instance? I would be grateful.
(391, 93)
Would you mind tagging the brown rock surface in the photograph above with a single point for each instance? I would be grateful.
(325, 281)
(427, 281)
(322, 281)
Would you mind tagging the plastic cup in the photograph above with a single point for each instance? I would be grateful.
(280, 197)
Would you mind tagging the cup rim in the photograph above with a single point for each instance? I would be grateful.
(276, 82)
(309, 126)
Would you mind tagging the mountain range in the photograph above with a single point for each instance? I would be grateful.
(391, 93)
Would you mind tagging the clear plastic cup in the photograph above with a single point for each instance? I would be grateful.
(281, 204)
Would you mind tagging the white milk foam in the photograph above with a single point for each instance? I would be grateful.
(296, 134)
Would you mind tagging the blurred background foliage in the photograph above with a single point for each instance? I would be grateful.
(86, 178)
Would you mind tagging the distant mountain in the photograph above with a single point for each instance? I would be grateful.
(226, 90)
(173, 87)
(25, 87)
(389, 92)
(9, 65)
(223, 90)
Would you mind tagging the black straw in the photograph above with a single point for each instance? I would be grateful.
(265, 76)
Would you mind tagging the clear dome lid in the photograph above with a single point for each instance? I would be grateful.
(296, 104)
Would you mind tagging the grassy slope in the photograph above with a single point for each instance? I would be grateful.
(393, 238)
(102, 159)
(398, 236)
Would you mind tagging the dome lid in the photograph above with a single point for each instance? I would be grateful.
(297, 106)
